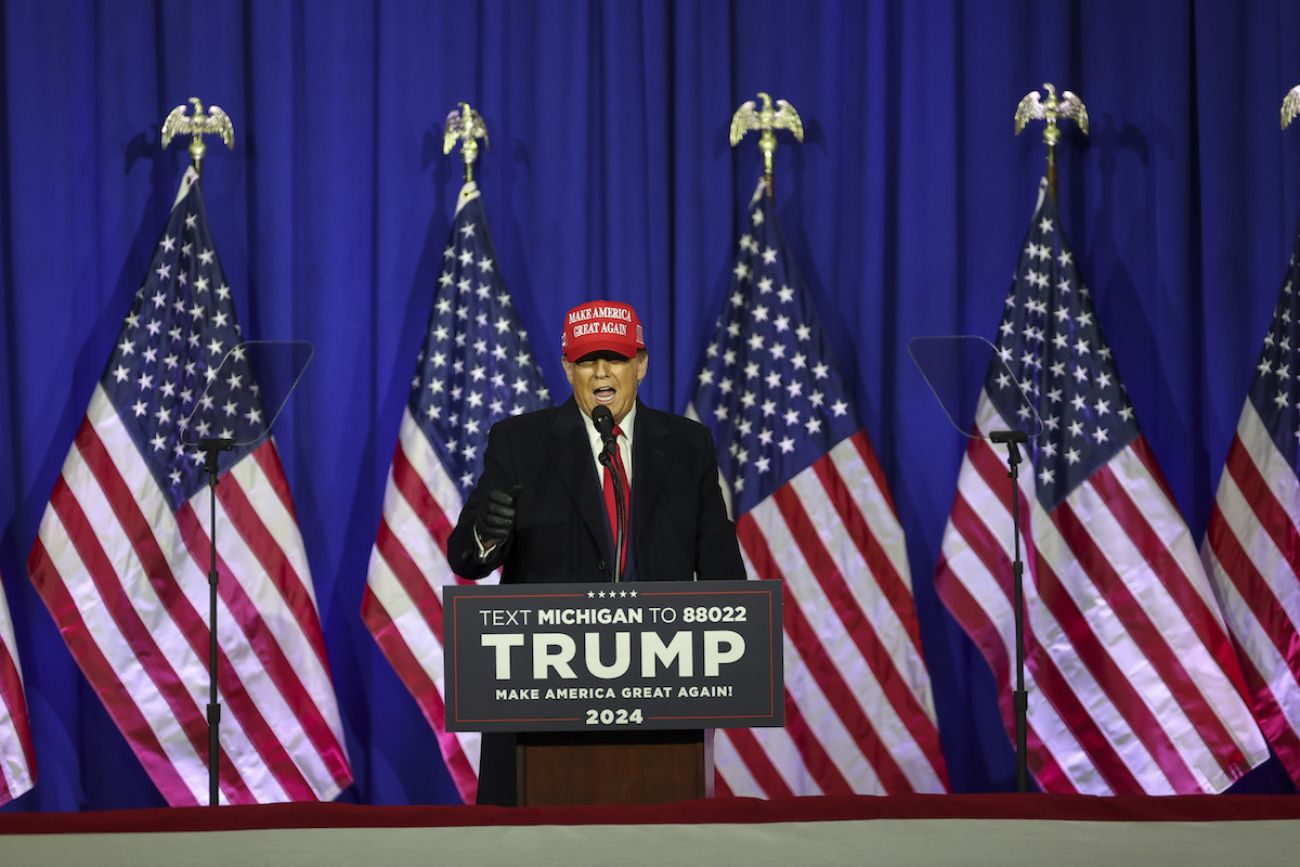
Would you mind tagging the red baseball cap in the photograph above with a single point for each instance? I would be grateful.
(601, 326)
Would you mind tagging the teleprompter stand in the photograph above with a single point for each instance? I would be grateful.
(1019, 696)
(957, 369)
(280, 364)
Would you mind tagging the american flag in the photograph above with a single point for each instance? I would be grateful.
(17, 761)
(122, 554)
(813, 510)
(1133, 685)
(1252, 544)
(474, 369)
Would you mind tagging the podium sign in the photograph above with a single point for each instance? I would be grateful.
(587, 657)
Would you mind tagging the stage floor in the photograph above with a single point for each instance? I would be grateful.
(922, 830)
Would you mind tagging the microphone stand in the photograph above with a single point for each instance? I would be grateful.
(1019, 696)
(620, 531)
(212, 447)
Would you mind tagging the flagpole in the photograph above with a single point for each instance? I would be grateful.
(214, 122)
(1050, 111)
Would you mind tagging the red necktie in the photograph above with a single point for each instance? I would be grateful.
(611, 508)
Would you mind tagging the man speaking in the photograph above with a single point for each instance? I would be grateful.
(558, 484)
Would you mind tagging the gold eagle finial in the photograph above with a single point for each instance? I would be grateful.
(766, 120)
(466, 125)
(1051, 110)
(214, 122)
(1068, 107)
(1290, 106)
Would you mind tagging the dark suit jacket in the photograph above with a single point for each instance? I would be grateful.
(680, 528)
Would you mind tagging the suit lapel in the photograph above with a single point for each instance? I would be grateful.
(570, 451)
(651, 458)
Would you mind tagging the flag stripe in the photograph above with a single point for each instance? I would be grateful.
(867, 453)
(118, 700)
(1041, 761)
(785, 752)
(960, 595)
(1272, 590)
(283, 673)
(758, 762)
(1165, 683)
(720, 787)
(806, 639)
(805, 657)
(1249, 571)
(1257, 585)
(1274, 467)
(270, 555)
(885, 637)
(191, 626)
(814, 759)
(1111, 675)
(427, 694)
(980, 498)
(784, 529)
(1261, 649)
(1087, 670)
(421, 501)
(874, 557)
(409, 576)
(409, 548)
(267, 456)
(131, 681)
(17, 758)
(730, 773)
(1174, 569)
(862, 632)
(1251, 548)
(429, 469)
(17, 768)
(138, 640)
(829, 749)
(1141, 449)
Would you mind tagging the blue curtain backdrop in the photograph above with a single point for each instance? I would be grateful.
(609, 174)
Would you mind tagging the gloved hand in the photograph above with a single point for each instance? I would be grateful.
(498, 517)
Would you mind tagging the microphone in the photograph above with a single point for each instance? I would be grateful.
(1008, 436)
(604, 421)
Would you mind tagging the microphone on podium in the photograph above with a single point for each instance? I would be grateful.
(604, 421)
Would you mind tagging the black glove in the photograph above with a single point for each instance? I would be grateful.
(498, 517)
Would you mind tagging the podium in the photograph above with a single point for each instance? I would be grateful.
(561, 768)
(606, 691)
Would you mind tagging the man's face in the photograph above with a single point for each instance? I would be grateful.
(606, 379)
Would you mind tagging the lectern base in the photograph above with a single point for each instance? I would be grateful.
(554, 768)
